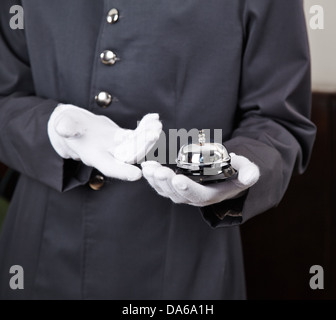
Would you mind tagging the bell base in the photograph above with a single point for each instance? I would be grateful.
(227, 173)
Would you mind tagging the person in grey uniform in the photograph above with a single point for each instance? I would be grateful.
(87, 222)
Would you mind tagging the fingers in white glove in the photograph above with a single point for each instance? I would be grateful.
(81, 135)
(123, 171)
(160, 178)
(57, 131)
(148, 169)
(197, 194)
(111, 167)
(148, 119)
(68, 127)
(169, 185)
(137, 143)
(181, 189)
(248, 172)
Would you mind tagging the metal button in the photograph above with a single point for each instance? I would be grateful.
(108, 57)
(103, 99)
(97, 182)
(113, 16)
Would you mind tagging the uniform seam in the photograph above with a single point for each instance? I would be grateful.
(46, 210)
(164, 276)
(96, 60)
(85, 246)
(90, 107)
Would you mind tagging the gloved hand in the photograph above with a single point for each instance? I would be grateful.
(181, 189)
(98, 142)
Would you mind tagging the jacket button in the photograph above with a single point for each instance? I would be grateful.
(97, 182)
(108, 57)
(103, 99)
(113, 16)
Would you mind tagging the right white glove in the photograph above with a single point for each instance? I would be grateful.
(181, 189)
(99, 142)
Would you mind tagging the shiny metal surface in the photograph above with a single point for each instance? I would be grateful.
(113, 16)
(97, 182)
(205, 162)
(103, 99)
(196, 156)
(108, 57)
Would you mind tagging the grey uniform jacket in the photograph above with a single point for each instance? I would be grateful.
(241, 66)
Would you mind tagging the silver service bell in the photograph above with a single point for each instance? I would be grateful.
(205, 162)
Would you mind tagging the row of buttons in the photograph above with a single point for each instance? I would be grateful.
(108, 58)
(104, 99)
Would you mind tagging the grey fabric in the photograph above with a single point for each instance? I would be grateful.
(241, 66)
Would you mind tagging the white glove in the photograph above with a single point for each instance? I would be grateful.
(98, 142)
(181, 189)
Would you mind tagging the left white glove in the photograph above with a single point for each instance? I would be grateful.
(99, 142)
(181, 189)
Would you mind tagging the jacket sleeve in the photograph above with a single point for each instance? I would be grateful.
(273, 128)
(24, 142)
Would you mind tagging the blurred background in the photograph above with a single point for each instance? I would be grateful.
(281, 245)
